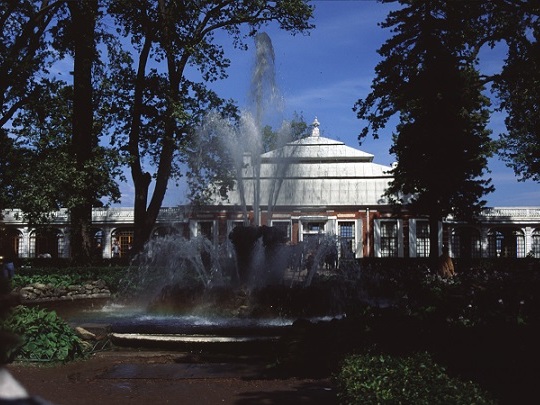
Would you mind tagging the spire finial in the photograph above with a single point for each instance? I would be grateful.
(315, 130)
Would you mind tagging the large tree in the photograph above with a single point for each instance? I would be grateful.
(514, 25)
(161, 103)
(47, 177)
(54, 125)
(24, 52)
(84, 14)
(24, 57)
(518, 85)
(428, 78)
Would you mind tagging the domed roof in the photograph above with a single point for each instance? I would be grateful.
(316, 171)
(316, 147)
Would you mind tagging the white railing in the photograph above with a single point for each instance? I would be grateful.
(167, 214)
(512, 212)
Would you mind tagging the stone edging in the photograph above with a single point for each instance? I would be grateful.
(39, 292)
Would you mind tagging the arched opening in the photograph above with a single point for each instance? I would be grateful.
(46, 243)
(97, 242)
(466, 242)
(121, 242)
(164, 230)
(11, 241)
(506, 242)
(535, 248)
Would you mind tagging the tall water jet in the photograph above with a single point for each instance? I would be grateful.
(173, 260)
(192, 272)
(244, 144)
(265, 95)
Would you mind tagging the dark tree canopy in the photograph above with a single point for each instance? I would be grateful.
(427, 77)
(467, 27)
(25, 54)
(518, 88)
(161, 107)
(54, 120)
(442, 143)
(141, 86)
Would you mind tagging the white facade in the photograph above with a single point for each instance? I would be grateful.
(310, 187)
(315, 172)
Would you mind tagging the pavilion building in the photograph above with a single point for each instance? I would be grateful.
(309, 187)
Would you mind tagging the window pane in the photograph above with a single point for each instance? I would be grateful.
(205, 229)
(284, 226)
(346, 239)
(536, 244)
(389, 239)
(422, 239)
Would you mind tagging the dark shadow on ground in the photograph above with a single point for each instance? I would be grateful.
(312, 393)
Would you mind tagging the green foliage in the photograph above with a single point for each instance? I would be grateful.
(53, 279)
(384, 379)
(7, 302)
(11, 160)
(61, 277)
(518, 87)
(48, 146)
(157, 114)
(441, 143)
(25, 52)
(43, 336)
(463, 29)
(296, 129)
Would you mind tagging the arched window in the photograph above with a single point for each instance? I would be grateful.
(506, 242)
(46, 243)
(161, 231)
(346, 239)
(422, 238)
(206, 229)
(11, 239)
(97, 242)
(466, 242)
(123, 238)
(535, 248)
(312, 229)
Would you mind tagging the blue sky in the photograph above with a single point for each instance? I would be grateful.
(323, 74)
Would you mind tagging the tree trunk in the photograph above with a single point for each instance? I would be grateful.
(146, 216)
(141, 182)
(141, 179)
(83, 19)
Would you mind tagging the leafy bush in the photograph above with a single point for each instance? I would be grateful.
(43, 336)
(61, 277)
(385, 379)
(56, 280)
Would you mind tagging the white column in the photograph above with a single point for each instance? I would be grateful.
(528, 239)
(106, 242)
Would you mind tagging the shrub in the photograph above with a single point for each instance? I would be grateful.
(61, 277)
(385, 379)
(43, 336)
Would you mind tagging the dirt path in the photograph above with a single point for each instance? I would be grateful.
(143, 377)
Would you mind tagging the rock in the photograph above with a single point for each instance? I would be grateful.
(27, 290)
(99, 330)
(84, 334)
(44, 292)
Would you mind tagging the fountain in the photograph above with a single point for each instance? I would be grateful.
(179, 295)
(181, 287)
